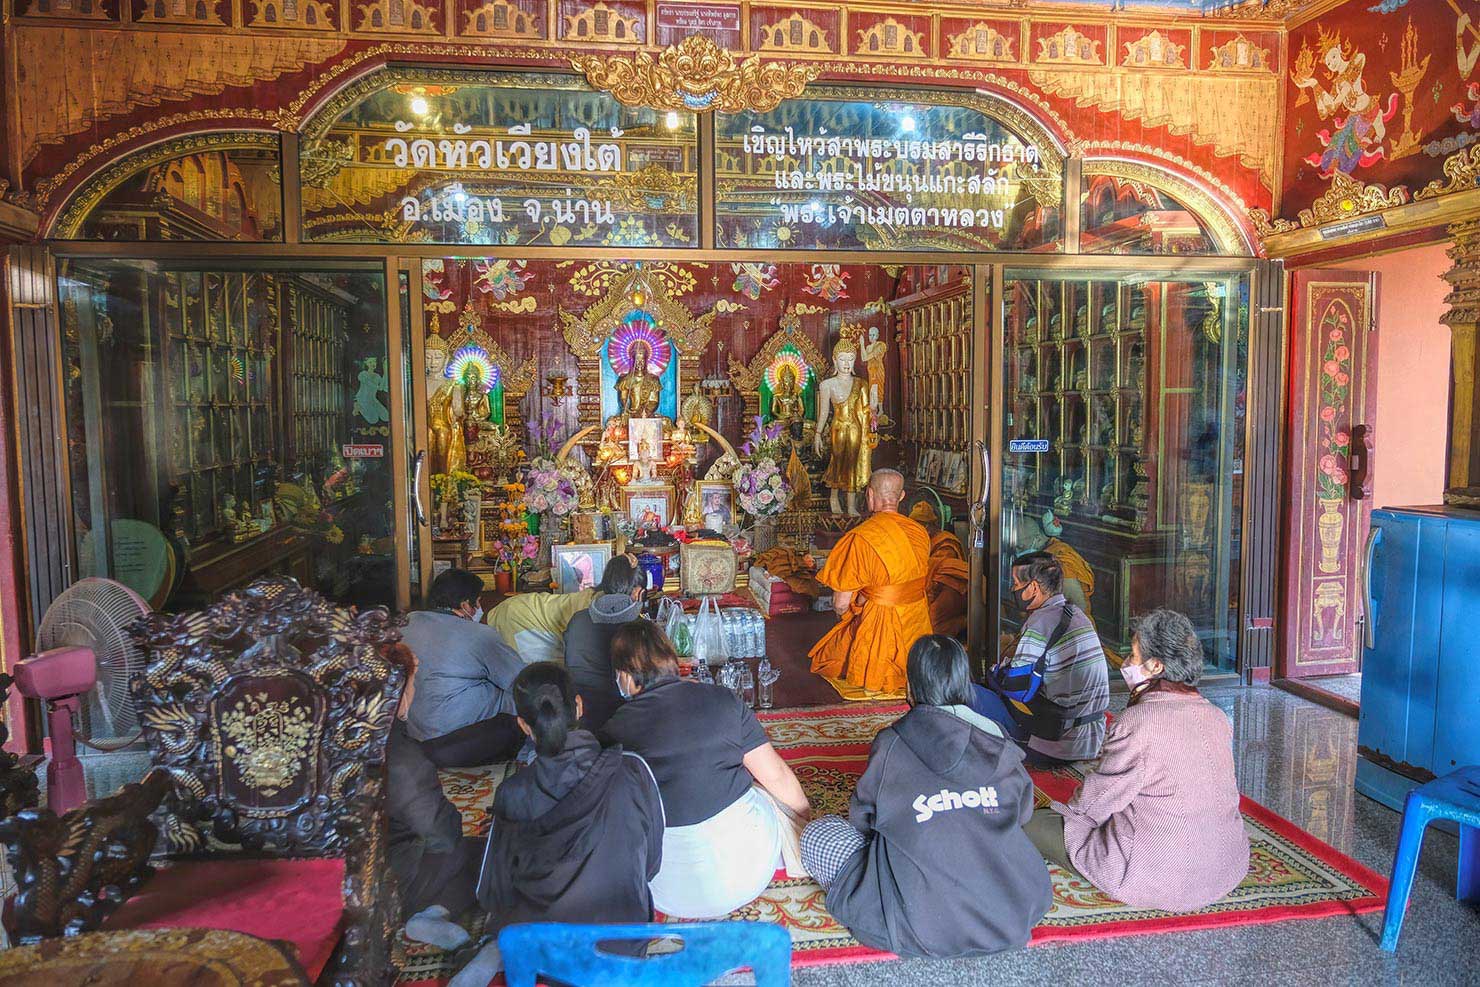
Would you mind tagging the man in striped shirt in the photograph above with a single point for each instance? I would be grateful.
(1066, 712)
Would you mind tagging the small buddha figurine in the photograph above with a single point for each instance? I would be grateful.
(844, 416)
(647, 459)
(613, 444)
(786, 400)
(1081, 320)
(697, 409)
(639, 390)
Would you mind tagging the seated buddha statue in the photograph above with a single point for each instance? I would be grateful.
(639, 390)
(786, 400)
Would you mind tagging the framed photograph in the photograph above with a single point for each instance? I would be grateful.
(920, 464)
(644, 432)
(649, 503)
(717, 503)
(951, 474)
(932, 466)
(579, 566)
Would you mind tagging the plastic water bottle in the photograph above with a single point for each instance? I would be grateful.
(760, 635)
(747, 685)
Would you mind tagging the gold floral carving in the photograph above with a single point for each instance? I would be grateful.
(268, 741)
(1461, 172)
(747, 377)
(890, 37)
(696, 75)
(1239, 55)
(636, 190)
(1266, 226)
(1069, 47)
(1155, 50)
(1271, 10)
(981, 42)
(600, 22)
(795, 33)
(502, 19)
(1348, 198)
(1234, 115)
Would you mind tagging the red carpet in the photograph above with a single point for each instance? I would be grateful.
(1292, 875)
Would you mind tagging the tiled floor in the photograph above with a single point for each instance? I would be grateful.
(1345, 686)
(1298, 759)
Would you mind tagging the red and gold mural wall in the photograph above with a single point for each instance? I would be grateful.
(94, 78)
(1381, 94)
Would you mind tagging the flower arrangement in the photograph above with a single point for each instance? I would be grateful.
(764, 441)
(527, 558)
(549, 488)
(544, 438)
(454, 485)
(761, 489)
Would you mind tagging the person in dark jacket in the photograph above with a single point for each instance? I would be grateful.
(932, 860)
(576, 835)
(588, 639)
(434, 863)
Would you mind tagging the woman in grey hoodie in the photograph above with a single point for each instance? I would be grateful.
(932, 859)
(588, 639)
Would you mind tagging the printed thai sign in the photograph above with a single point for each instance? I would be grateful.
(451, 157)
(836, 173)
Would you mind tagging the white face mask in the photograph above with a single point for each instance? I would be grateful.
(1134, 675)
(622, 690)
(477, 615)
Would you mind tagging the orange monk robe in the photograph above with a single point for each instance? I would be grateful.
(1074, 567)
(946, 579)
(884, 560)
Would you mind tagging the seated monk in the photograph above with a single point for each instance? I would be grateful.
(947, 576)
(1042, 535)
(877, 575)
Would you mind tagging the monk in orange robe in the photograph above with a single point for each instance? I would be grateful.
(877, 575)
(947, 575)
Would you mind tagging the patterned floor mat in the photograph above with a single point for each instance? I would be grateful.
(1291, 874)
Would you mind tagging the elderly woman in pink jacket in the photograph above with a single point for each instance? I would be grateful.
(1158, 824)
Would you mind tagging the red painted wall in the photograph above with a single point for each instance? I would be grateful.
(1412, 376)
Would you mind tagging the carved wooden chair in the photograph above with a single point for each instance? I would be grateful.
(267, 716)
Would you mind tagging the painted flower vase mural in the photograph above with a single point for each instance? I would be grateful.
(1335, 387)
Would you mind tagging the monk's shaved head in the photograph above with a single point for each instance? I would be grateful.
(885, 490)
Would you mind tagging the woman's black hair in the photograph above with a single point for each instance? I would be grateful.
(453, 588)
(938, 672)
(643, 651)
(546, 700)
(622, 576)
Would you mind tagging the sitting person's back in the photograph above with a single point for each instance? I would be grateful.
(462, 713)
(709, 754)
(533, 624)
(933, 860)
(588, 638)
(1158, 824)
(577, 834)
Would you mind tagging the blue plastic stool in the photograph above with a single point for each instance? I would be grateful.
(710, 950)
(1456, 796)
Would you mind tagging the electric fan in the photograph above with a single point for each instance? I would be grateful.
(93, 614)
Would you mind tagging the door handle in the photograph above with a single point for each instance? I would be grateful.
(979, 512)
(1359, 463)
(1369, 628)
(418, 464)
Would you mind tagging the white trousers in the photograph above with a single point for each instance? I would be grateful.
(713, 867)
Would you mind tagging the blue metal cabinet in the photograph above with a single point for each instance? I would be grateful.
(1421, 666)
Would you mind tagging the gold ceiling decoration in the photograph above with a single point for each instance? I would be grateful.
(1461, 172)
(1347, 198)
(696, 75)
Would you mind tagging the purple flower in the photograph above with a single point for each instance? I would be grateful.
(745, 448)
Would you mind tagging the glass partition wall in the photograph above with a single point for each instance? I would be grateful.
(206, 378)
(1123, 443)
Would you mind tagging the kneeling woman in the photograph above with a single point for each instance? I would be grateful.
(727, 793)
(932, 859)
(576, 835)
(1157, 825)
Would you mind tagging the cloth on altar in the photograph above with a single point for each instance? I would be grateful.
(884, 560)
(533, 624)
(793, 568)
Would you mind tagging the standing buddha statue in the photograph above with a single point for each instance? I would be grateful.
(844, 419)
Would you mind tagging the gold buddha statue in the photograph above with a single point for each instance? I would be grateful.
(639, 390)
(786, 399)
(844, 419)
(440, 396)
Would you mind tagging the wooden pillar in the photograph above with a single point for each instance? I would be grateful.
(1462, 486)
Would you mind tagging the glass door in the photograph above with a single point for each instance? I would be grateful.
(231, 421)
(1123, 445)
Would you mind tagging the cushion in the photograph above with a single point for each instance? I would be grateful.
(300, 902)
